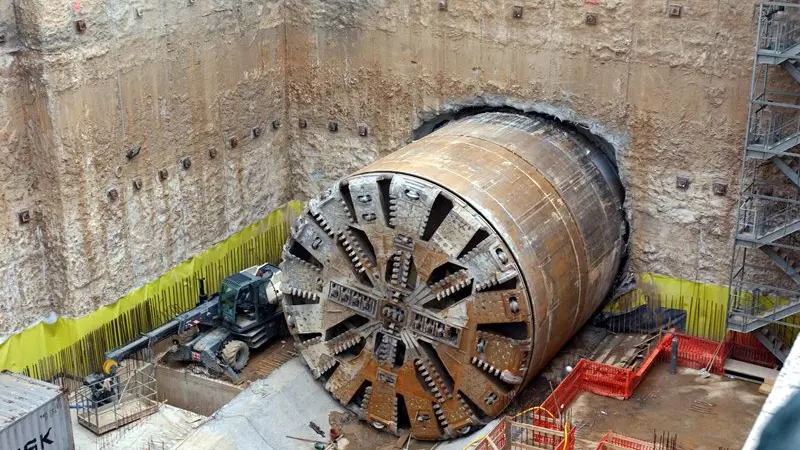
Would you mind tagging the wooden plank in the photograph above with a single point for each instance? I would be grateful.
(542, 417)
(401, 441)
(612, 434)
(313, 441)
(540, 429)
(516, 445)
(750, 370)
(610, 446)
(491, 443)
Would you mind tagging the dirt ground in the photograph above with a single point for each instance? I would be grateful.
(266, 359)
(360, 436)
(662, 403)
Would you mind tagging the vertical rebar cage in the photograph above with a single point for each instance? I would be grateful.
(119, 399)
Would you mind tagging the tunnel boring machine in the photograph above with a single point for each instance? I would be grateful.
(426, 289)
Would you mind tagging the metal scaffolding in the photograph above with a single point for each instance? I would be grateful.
(764, 300)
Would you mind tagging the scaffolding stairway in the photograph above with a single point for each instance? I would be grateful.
(778, 57)
(745, 321)
(773, 343)
(761, 150)
(768, 222)
(793, 67)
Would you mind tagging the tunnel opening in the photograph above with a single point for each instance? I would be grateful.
(443, 271)
(344, 191)
(297, 249)
(356, 266)
(385, 188)
(440, 120)
(517, 331)
(304, 337)
(474, 241)
(437, 364)
(403, 420)
(359, 400)
(442, 302)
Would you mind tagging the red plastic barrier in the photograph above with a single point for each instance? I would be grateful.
(497, 435)
(616, 382)
(570, 444)
(745, 347)
(566, 391)
(606, 380)
(696, 353)
(621, 441)
(650, 361)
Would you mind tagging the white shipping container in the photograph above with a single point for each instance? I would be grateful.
(34, 415)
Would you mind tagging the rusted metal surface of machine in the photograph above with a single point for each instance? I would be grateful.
(428, 288)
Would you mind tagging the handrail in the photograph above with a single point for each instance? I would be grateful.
(779, 35)
(754, 221)
(774, 130)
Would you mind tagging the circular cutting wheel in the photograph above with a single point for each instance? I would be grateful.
(416, 305)
(403, 283)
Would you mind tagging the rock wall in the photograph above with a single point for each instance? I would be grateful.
(119, 119)
(344, 82)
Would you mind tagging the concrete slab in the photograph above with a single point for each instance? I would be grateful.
(196, 393)
(667, 403)
(163, 429)
(266, 412)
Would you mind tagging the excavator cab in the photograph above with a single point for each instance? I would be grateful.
(243, 296)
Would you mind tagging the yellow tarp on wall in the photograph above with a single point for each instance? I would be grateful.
(76, 346)
(259, 242)
(704, 303)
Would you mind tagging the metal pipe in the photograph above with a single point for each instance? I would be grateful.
(673, 357)
(439, 280)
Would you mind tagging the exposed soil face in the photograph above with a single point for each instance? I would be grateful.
(84, 113)
(181, 79)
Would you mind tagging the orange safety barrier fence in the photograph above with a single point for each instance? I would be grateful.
(620, 441)
(497, 437)
(616, 382)
(566, 391)
(695, 353)
(606, 380)
(620, 383)
(745, 347)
